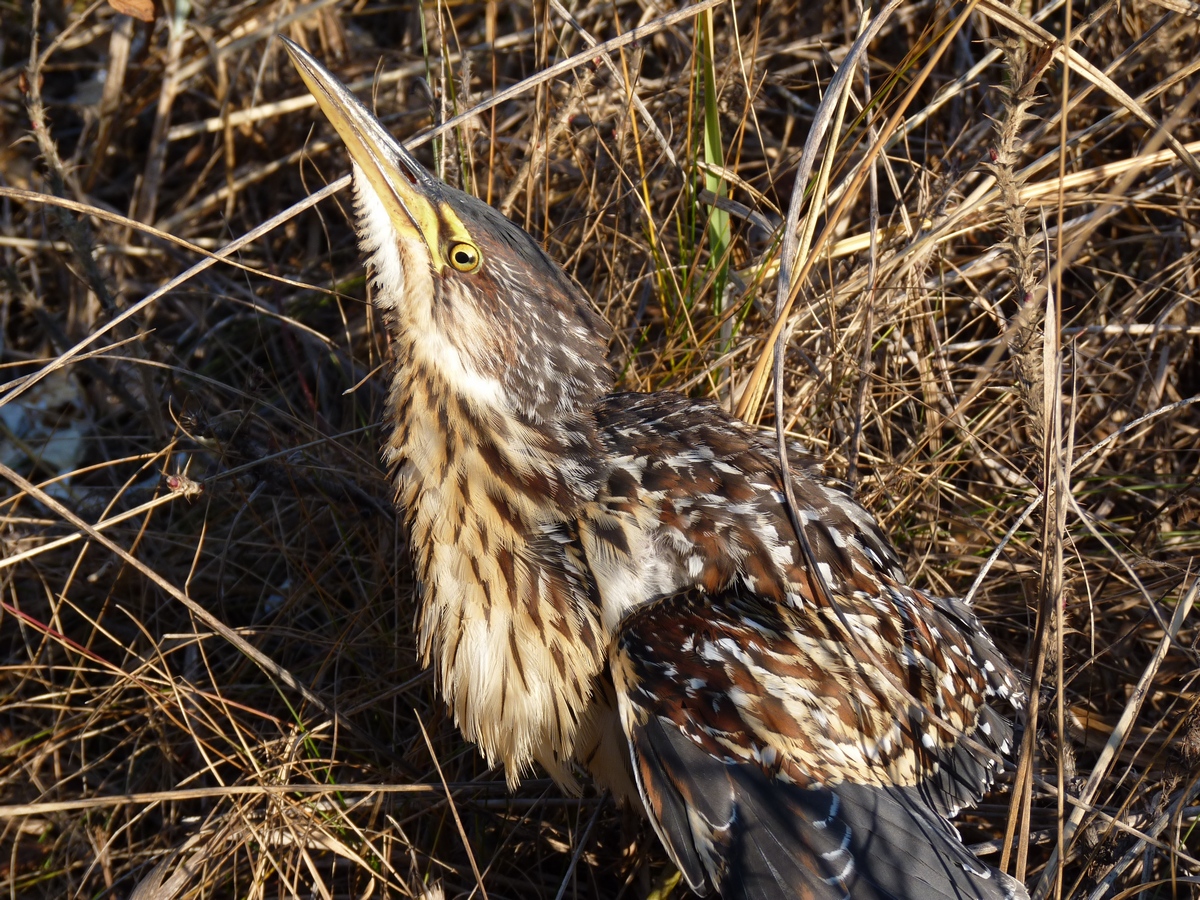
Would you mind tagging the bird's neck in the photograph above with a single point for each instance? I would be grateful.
(491, 500)
(458, 445)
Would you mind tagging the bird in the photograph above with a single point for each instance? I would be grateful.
(612, 583)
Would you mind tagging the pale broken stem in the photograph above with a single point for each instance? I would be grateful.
(832, 112)
(177, 795)
(135, 512)
(211, 258)
(1056, 468)
(794, 244)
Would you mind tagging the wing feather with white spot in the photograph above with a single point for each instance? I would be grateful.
(774, 766)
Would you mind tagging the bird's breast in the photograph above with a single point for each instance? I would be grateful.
(507, 619)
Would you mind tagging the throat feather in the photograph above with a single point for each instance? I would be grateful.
(508, 617)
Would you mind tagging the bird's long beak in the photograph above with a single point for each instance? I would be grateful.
(406, 190)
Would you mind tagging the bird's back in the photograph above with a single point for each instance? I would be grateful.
(801, 720)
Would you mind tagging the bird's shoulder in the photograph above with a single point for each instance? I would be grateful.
(792, 704)
(706, 488)
(818, 642)
(666, 423)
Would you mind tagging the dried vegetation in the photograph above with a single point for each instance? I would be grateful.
(204, 591)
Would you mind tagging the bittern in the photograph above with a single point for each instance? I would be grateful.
(612, 582)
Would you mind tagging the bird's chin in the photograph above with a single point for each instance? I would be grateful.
(400, 262)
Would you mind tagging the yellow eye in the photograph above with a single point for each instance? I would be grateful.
(464, 257)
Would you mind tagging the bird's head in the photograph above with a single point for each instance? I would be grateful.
(470, 295)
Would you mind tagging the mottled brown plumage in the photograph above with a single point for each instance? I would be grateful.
(612, 582)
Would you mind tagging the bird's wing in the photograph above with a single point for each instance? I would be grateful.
(775, 766)
(693, 502)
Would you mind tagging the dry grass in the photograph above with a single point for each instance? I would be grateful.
(205, 593)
